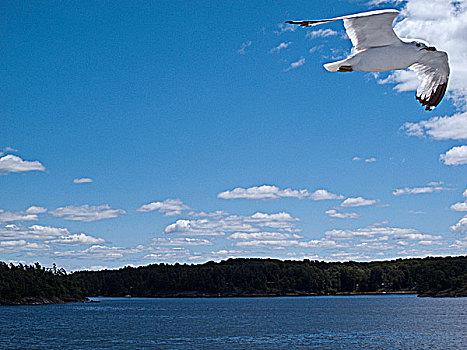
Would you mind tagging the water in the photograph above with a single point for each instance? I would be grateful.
(354, 322)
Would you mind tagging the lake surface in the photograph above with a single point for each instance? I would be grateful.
(337, 322)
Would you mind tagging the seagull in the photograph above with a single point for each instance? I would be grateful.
(377, 48)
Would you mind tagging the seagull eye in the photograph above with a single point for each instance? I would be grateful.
(418, 44)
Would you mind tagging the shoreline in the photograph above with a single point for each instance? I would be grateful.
(55, 300)
(429, 294)
(40, 301)
(256, 295)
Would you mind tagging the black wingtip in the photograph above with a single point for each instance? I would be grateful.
(298, 23)
(434, 99)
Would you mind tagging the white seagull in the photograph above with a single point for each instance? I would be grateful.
(376, 48)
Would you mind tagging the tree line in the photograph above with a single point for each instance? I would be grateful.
(440, 276)
(37, 284)
(237, 277)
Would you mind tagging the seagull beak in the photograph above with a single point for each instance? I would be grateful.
(430, 48)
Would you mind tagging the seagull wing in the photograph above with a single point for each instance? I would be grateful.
(365, 29)
(433, 71)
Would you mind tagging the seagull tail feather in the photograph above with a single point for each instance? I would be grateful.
(333, 66)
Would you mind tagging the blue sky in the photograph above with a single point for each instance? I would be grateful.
(135, 133)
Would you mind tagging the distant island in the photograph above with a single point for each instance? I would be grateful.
(427, 277)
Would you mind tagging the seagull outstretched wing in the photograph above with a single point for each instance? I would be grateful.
(374, 39)
(433, 71)
(366, 29)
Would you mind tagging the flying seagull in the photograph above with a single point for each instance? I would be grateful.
(376, 48)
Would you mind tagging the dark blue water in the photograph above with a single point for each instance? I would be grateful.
(356, 322)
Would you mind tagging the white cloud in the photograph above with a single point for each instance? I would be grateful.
(367, 160)
(97, 252)
(275, 244)
(36, 210)
(460, 226)
(195, 228)
(416, 212)
(82, 180)
(464, 194)
(443, 24)
(216, 214)
(87, 213)
(377, 239)
(262, 192)
(296, 64)
(278, 221)
(169, 251)
(427, 242)
(10, 149)
(455, 156)
(320, 33)
(335, 214)
(49, 234)
(169, 207)
(460, 243)
(47, 230)
(370, 231)
(181, 242)
(245, 45)
(323, 194)
(435, 183)
(266, 218)
(10, 244)
(103, 252)
(282, 244)
(440, 128)
(284, 27)
(243, 236)
(29, 214)
(274, 192)
(315, 48)
(219, 226)
(380, 231)
(17, 216)
(357, 202)
(462, 206)
(169, 255)
(21, 245)
(34, 232)
(415, 236)
(430, 188)
(345, 256)
(183, 254)
(14, 164)
(280, 47)
(375, 246)
(77, 239)
(405, 80)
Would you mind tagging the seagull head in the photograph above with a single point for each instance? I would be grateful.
(422, 45)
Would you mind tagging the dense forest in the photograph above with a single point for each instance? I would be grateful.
(241, 277)
(34, 284)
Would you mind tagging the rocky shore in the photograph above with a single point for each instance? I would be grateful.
(259, 294)
(40, 301)
(445, 294)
